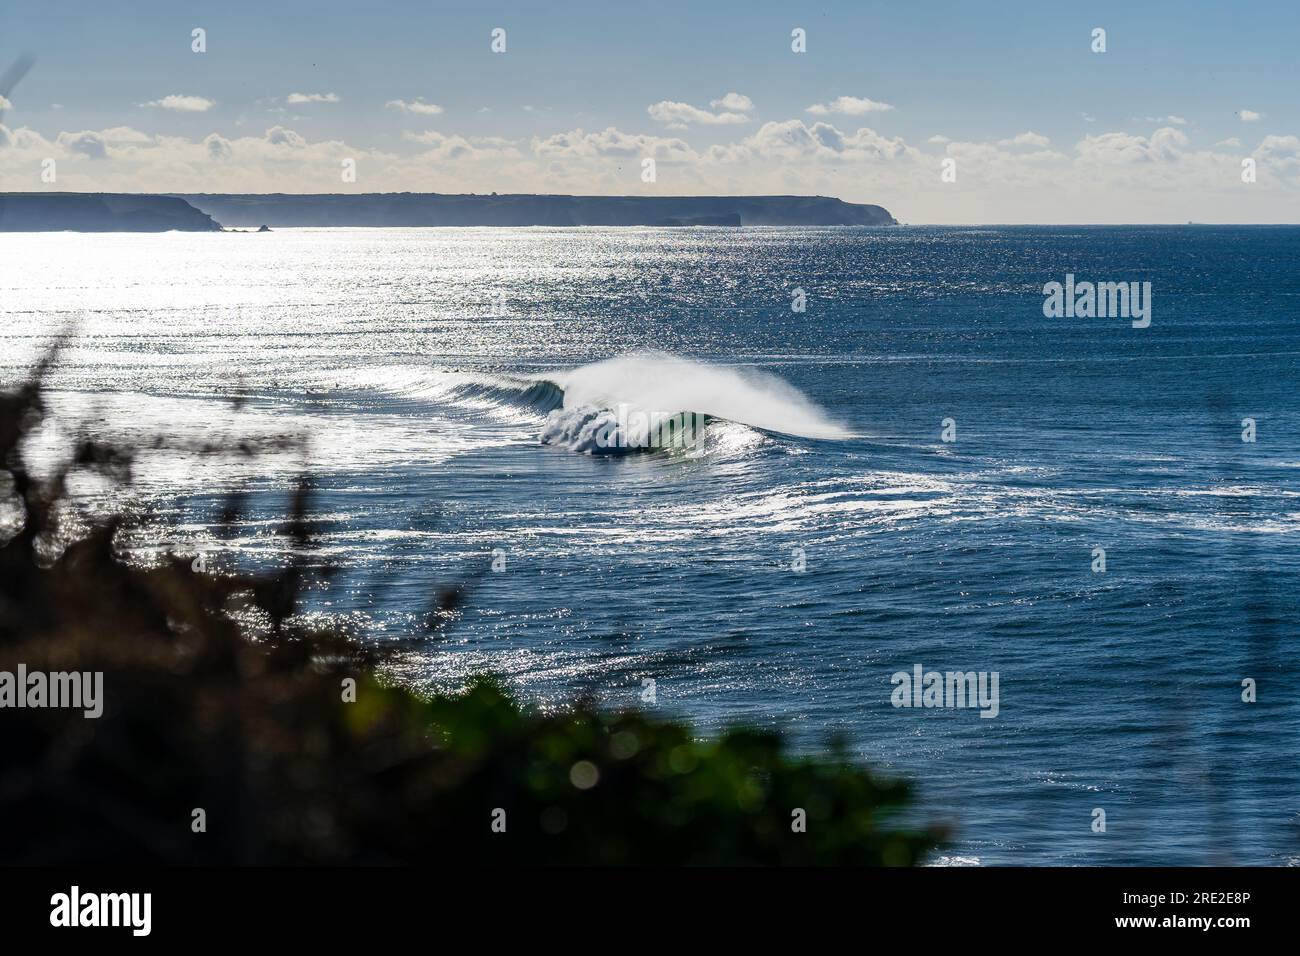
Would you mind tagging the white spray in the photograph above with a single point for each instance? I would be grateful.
(656, 382)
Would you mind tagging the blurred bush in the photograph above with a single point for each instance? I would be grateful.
(218, 696)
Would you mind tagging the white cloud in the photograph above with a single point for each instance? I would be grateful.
(1026, 139)
(682, 115)
(218, 147)
(182, 104)
(1230, 141)
(1000, 159)
(610, 142)
(792, 139)
(1281, 149)
(454, 147)
(295, 98)
(938, 139)
(129, 160)
(126, 136)
(733, 101)
(441, 146)
(1249, 116)
(86, 143)
(279, 136)
(417, 105)
(5, 104)
(849, 106)
(1176, 120)
(1164, 145)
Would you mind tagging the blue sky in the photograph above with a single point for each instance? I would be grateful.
(959, 78)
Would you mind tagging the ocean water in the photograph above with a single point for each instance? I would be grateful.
(419, 367)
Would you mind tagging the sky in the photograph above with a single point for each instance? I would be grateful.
(943, 112)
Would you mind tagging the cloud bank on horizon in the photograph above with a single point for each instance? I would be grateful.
(968, 120)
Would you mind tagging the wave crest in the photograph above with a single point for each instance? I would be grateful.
(667, 384)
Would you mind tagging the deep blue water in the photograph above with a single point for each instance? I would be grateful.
(410, 355)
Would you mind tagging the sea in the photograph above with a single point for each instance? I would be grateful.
(905, 466)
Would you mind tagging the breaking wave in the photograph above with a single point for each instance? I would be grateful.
(629, 402)
(666, 383)
(632, 402)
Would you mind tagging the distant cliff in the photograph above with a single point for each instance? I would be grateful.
(124, 212)
(436, 209)
(99, 212)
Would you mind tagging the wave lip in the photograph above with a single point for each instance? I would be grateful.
(666, 385)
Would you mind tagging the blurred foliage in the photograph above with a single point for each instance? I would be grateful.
(219, 696)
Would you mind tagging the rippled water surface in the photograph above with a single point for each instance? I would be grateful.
(422, 365)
